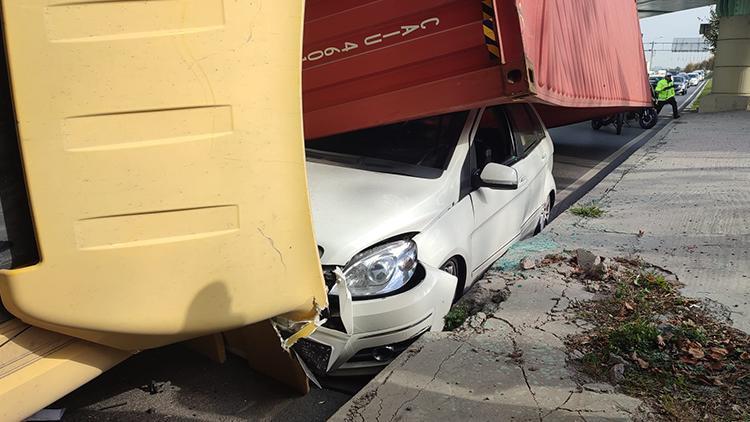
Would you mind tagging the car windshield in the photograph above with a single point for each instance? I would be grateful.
(421, 147)
(678, 79)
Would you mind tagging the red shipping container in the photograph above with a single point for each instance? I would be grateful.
(373, 62)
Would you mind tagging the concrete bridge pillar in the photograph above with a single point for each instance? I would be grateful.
(731, 85)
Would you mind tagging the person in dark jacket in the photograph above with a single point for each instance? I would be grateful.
(665, 93)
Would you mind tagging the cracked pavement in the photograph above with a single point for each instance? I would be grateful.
(505, 363)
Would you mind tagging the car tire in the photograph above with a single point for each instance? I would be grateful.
(455, 267)
(544, 216)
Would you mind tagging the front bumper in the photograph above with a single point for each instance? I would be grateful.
(381, 327)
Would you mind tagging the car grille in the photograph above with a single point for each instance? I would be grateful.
(315, 355)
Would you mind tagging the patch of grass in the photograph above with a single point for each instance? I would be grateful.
(636, 336)
(691, 333)
(455, 317)
(706, 90)
(588, 211)
(685, 363)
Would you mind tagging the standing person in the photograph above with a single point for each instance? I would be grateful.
(665, 91)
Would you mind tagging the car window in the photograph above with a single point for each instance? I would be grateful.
(427, 142)
(492, 140)
(527, 128)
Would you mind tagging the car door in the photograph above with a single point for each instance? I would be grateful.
(534, 155)
(497, 215)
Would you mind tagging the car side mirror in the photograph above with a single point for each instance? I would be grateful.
(498, 176)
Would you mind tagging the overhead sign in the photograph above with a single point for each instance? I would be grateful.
(690, 45)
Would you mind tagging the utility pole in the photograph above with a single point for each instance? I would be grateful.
(651, 61)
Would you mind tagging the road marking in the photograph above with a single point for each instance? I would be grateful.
(697, 92)
(612, 157)
(604, 163)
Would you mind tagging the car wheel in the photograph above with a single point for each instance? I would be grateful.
(544, 217)
(454, 267)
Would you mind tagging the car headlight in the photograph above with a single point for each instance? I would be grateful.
(381, 269)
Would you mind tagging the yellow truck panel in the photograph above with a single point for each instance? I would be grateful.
(163, 152)
(38, 367)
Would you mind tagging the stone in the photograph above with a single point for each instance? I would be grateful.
(617, 373)
(586, 260)
(615, 359)
(527, 263)
(599, 387)
(576, 354)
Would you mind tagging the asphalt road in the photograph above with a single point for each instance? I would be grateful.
(197, 389)
(583, 156)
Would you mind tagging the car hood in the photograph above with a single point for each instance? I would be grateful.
(353, 209)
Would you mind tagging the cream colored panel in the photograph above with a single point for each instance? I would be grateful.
(162, 142)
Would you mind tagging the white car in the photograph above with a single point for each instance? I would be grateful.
(411, 214)
(693, 79)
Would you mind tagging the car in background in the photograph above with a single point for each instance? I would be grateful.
(701, 74)
(409, 215)
(653, 80)
(680, 85)
(693, 79)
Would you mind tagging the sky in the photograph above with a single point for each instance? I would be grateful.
(664, 28)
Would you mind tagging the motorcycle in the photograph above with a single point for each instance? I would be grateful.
(647, 117)
(618, 120)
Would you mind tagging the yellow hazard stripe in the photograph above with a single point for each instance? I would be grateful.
(489, 33)
(488, 27)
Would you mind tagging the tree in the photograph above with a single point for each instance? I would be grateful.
(712, 33)
(707, 64)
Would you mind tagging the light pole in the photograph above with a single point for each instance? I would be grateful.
(651, 60)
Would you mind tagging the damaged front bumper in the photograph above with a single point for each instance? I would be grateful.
(368, 334)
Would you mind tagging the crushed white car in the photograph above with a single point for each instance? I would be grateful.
(407, 216)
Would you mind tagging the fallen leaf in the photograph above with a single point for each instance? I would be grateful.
(642, 363)
(660, 341)
(628, 306)
(696, 352)
(717, 353)
(715, 381)
(745, 356)
(687, 360)
(716, 366)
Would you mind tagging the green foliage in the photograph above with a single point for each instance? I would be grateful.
(706, 90)
(455, 317)
(679, 358)
(691, 333)
(588, 211)
(712, 34)
(636, 336)
(655, 281)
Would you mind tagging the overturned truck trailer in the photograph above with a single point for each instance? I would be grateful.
(373, 62)
(149, 197)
